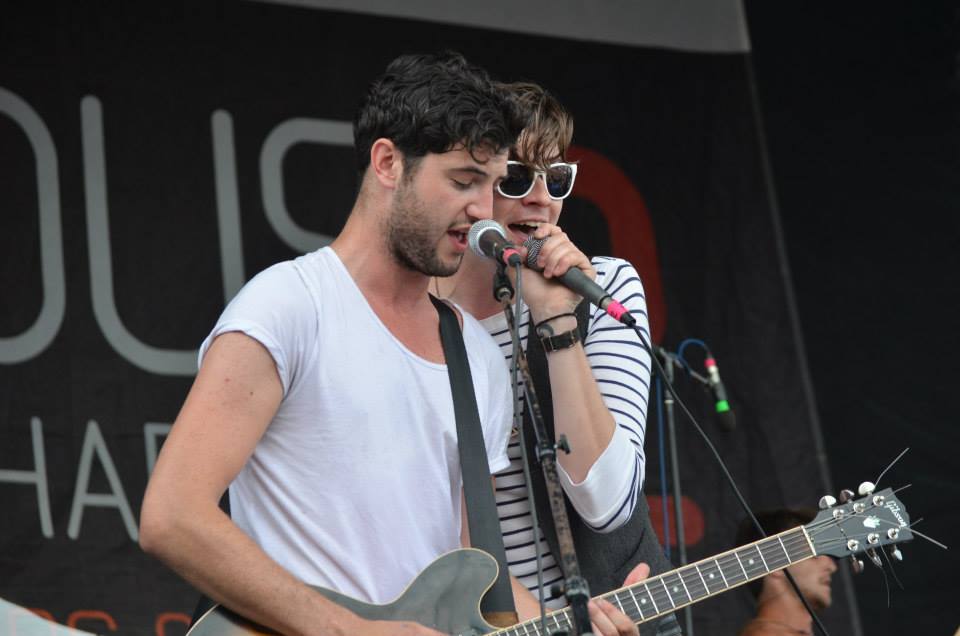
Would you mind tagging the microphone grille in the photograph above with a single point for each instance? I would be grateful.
(533, 245)
(477, 229)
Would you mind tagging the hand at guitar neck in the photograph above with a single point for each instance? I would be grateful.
(606, 618)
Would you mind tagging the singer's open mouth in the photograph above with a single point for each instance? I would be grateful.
(524, 228)
(459, 237)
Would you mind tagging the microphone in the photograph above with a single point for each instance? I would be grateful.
(576, 281)
(488, 238)
(727, 420)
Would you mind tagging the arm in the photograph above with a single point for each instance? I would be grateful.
(599, 387)
(230, 405)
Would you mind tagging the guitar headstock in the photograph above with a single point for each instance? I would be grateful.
(874, 520)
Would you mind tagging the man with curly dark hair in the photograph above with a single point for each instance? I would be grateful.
(322, 398)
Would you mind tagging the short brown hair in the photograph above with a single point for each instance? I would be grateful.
(549, 126)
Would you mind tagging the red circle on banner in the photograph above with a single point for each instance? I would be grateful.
(601, 182)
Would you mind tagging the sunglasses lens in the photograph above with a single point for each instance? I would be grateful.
(518, 180)
(559, 180)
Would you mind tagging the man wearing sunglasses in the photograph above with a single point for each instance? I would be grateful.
(597, 374)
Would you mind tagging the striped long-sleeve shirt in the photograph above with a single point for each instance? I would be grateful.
(606, 498)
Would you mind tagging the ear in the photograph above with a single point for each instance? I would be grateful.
(386, 162)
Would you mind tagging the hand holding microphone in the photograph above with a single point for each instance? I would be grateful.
(487, 238)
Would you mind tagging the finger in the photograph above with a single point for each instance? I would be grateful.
(565, 257)
(637, 574)
(545, 230)
(619, 622)
(600, 621)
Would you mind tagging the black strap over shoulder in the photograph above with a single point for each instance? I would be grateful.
(497, 605)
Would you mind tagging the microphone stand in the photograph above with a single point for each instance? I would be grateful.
(670, 361)
(575, 587)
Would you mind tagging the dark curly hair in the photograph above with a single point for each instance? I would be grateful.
(432, 103)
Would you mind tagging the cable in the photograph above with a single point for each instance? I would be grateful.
(663, 468)
(513, 326)
(629, 320)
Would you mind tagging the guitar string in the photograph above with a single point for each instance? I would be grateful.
(723, 562)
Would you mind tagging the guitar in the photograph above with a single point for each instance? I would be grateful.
(446, 594)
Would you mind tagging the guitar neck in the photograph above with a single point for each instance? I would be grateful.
(665, 593)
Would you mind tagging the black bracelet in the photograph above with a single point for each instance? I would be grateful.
(549, 330)
(564, 340)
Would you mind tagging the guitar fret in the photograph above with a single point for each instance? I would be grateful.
(650, 596)
(676, 591)
(746, 577)
(717, 561)
(712, 569)
(705, 586)
(616, 597)
(808, 544)
(632, 596)
(684, 584)
(760, 552)
(752, 567)
(774, 556)
(784, 548)
(669, 598)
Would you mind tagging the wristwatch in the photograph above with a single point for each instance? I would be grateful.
(560, 341)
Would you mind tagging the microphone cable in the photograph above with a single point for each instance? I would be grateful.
(631, 322)
(501, 282)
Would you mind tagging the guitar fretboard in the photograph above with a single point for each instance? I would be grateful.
(689, 584)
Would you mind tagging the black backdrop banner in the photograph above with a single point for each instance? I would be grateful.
(155, 157)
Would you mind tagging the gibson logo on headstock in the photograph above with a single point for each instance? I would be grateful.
(894, 507)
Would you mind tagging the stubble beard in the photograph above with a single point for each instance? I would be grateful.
(410, 239)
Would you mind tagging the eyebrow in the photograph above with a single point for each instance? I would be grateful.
(479, 172)
(471, 169)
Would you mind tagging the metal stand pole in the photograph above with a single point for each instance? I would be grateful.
(677, 490)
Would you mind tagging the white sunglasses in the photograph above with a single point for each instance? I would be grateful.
(520, 179)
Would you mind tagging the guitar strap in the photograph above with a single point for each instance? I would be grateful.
(497, 604)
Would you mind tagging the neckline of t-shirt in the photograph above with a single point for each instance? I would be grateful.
(497, 321)
(376, 319)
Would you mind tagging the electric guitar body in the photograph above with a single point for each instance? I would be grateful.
(444, 596)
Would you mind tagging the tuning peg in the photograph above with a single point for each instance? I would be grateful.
(875, 558)
(846, 495)
(827, 502)
(856, 565)
(895, 552)
(866, 488)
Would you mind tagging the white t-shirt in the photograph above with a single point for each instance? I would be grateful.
(355, 485)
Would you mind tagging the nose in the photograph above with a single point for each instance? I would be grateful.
(538, 195)
(829, 563)
(482, 207)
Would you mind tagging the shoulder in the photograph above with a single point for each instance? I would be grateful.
(288, 288)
